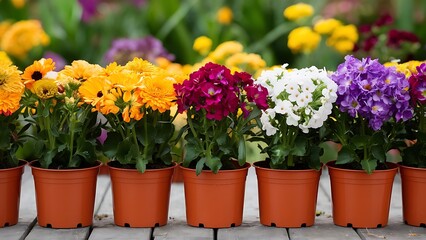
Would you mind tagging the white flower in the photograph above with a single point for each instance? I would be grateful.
(267, 116)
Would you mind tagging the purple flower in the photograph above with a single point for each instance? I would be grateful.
(418, 85)
(369, 90)
(58, 59)
(147, 48)
(89, 8)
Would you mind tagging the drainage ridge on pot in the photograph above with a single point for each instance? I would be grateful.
(65, 198)
(214, 200)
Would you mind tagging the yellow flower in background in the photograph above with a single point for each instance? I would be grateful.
(248, 62)
(5, 58)
(224, 15)
(45, 88)
(298, 11)
(343, 38)
(158, 93)
(10, 78)
(326, 26)
(23, 36)
(37, 71)
(202, 45)
(81, 70)
(303, 39)
(408, 68)
(18, 3)
(174, 68)
(4, 26)
(224, 50)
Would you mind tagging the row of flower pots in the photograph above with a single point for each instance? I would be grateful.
(287, 198)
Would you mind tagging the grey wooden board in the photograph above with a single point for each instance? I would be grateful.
(251, 198)
(38, 232)
(252, 231)
(177, 203)
(324, 195)
(104, 229)
(175, 230)
(14, 232)
(323, 229)
(396, 230)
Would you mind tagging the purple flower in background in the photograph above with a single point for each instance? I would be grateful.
(125, 49)
(89, 8)
(369, 90)
(58, 59)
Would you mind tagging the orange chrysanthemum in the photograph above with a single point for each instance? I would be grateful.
(9, 102)
(10, 79)
(142, 67)
(157, 92)
(93, 91)
(37, 71)
(81, 70)
(113, 68)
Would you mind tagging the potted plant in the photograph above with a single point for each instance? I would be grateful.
(136, 99)
(413, 165)
(65, 130)
(11, 137)
(220, 107)
(372, 103)
(300, 101)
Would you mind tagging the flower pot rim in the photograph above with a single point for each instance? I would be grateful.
(245, 166)
(408, 167)
(135, 170)
(285, 170)
(391, 165)
(22, 163)
(31, 164)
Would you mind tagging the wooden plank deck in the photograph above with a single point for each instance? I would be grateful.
(104, 228)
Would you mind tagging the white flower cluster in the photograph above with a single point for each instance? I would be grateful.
(304, 97)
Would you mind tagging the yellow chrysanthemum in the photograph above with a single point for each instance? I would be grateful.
(18, 3)
(202, 45)
(9, 102)
(108, 104)
(248, 62)
(93, 91)
(298, 11)
(10, 78)
(158, 93)
(224, 15)
(343, 37)
(133, 109)
(81, 70)
(326, 26)
(45, 88)
(23, 36)
(113, 68)
(127, 81)
(142, 67)
(37, 71)
(303, 39)
(224, 50)
(5, 58)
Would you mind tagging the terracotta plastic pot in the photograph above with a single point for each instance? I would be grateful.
(177, 176)
(10, 192)
(361, 200)
(65, 198)
(214, 200)
(141, 199)
(287, 198)
(413, 184)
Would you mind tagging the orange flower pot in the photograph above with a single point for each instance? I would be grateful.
(214, 200)
(141, 199)
(413, 184)
(287, 198)
(10, 192)
(361, 200)
(65, 198)
(177, 176)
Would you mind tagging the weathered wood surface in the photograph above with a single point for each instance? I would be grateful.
(104, 228)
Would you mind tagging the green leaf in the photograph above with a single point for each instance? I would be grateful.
(359, 141)
(192, 152)
(165, 132)
(346, 155)
(378, 152)
(300, 146)
(278, 154)
(214, 164)
(369, 165)
(200, 165)
(241, 151)
(46, 158)
(109, 147)
(4, 138)
(314, 158)
(141, 164)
